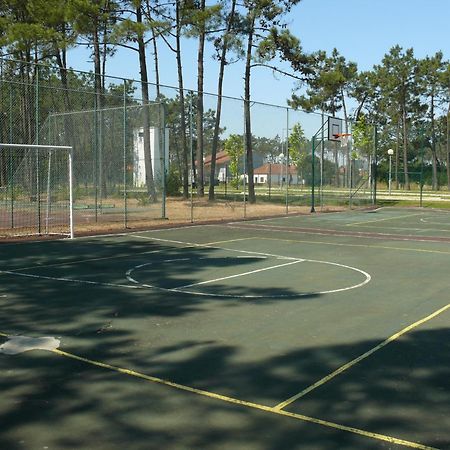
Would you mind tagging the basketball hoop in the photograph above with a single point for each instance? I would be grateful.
(343, 138)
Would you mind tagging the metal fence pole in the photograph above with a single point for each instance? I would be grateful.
(71, 193)
(374, 165)
(312, 174)
(125, 193)
(287, 161)
(191, 144)
(95, 158)
(162, 127)
(322, 153)
(245, 164)
(36, 141)
(10, 155)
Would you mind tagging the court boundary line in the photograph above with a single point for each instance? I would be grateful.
(337, 233)
(238, 402)
(407, 228)
(360, 358)
(340, 244)
(147, 252)
(384, 219)
(211, 245)
(106, 235)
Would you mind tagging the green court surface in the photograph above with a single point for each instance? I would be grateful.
(324, 331)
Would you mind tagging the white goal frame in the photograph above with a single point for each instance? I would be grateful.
(69, 150)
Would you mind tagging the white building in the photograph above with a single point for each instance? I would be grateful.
(274, 174)
(160, 156)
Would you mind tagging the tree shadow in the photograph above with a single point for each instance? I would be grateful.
(402, 391)
(219, 345)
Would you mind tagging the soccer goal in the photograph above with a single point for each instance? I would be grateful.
(36, 195)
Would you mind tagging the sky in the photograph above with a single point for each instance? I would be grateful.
(363, 31)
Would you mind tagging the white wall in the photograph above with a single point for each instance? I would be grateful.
(156, 152)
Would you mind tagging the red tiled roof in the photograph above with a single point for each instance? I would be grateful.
(274, 169)
(221, 158)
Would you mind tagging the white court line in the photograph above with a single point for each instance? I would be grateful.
(70, 280)
(193, 244)
(355, 234)
(189, 244)
(79, 261)
(364, 233)
(103, 258)
(240, 274)
(250, 296)
(384, 219)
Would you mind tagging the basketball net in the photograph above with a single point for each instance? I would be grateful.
(343, 138)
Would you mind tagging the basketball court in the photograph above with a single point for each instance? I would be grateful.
(311, 331)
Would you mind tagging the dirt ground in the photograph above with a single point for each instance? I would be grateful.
(111, 218)
(179, 212)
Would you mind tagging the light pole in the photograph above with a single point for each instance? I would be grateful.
(390, 153)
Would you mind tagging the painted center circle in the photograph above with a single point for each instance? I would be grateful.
(248, 276)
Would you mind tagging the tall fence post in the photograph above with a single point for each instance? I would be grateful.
(312, 173)
(36, 141)
(95, 158)
(191, 145)
(125, 193)
(287, 161)
(11, 137)
(374, 165)
(162, 127)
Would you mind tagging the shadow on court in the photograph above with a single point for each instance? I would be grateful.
(59, 403)
(51, 401)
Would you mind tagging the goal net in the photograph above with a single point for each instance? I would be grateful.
(36, 196)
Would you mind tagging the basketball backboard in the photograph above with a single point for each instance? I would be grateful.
(334, 128)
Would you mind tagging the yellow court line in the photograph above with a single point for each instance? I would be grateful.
(385, 218)
(247, 404)
(359, 358)
(235, 401)
(383, 247)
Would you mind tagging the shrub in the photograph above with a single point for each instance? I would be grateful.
(173, 183)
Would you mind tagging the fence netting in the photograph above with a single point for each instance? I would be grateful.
(141, 156)
(35, 194)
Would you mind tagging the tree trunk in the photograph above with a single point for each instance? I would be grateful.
(433, 147)
(347, 147)
(185, 169)
(146, 115)
(156, 63)
(155, 56)
(247, 116)
(397, 154)
(405, 149)
(448, 147)
(200, 71)
(100, 181)
(215, 141)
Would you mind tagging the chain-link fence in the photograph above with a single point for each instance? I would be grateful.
(145, 155)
